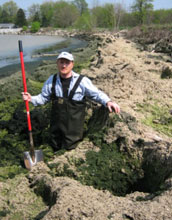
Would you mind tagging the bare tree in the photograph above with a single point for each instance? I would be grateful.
(119, 12)
(81, 5)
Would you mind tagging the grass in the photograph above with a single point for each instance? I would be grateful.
(157, 117)
(16, 189)
(10, 172)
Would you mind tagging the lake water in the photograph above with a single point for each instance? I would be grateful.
(9, 51)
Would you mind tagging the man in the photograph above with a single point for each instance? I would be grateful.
(68, 90)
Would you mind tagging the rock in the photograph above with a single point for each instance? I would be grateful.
(11, 31)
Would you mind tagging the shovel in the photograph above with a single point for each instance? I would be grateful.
(31, 157)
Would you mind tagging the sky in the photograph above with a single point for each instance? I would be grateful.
(158, 4)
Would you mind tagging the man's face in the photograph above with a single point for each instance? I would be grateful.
(65, 66)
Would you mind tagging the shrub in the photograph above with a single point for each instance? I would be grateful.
(35, 27)
(25, 28)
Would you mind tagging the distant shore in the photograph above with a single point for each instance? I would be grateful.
(10, 31)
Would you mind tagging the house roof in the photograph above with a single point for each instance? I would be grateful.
(7, 25)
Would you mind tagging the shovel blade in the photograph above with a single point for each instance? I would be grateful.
(29, 162)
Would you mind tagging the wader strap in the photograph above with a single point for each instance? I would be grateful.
(72, 92)
(53, 94)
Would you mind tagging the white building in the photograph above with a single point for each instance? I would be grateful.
(7, 26)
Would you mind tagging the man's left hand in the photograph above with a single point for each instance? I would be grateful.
(112, 106)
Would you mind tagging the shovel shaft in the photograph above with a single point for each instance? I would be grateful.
(32, 151)
(31, 157)
(24, 85)
(22, 66)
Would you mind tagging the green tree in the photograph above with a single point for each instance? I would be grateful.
(46, 11)
(128, 20)
(109, 16)
(81, 5)
(36, 17)
(142, 9)
(96, 15)
(162, 16)
(65, 14)
(104, 16)
(10, 9)
(21, 18)
(84, 22)
(34, 13)
(5, 17)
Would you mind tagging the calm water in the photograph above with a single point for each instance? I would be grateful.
(9, 51)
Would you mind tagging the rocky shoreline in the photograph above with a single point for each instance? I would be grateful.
(53, 190)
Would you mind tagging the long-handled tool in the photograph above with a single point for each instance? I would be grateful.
(33, 156)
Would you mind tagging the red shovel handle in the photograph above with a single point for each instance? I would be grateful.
(24, 84)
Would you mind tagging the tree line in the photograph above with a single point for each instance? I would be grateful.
(76, 14)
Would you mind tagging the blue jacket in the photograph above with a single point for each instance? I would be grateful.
(86, 88)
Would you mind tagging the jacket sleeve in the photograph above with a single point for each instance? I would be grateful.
(95, 94)
(44, 96)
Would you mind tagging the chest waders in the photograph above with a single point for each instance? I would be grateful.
(67, 119)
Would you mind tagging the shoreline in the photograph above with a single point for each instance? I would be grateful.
(40, 55)
(41, 69)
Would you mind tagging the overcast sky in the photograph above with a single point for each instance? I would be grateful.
(158, 4)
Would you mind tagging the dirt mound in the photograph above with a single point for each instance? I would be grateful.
(71, 200)
(130, 76)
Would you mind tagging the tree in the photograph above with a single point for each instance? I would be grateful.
(5, 17)
(95, 3)
(36, 17)
(84, 22)
(34, 13)
(119, 12)
(10, 8)
(65, 14)
(109, 15)
(128, 20)
(81, 5)
(142, 9)
(21, 18)
(162, 16)
(104, 16)
(46, 11)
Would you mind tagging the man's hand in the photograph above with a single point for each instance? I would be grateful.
(112, 106)
(26, 96)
